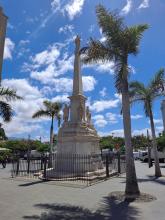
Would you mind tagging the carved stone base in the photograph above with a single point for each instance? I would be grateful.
(78, 138)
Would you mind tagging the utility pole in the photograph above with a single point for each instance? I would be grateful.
(3, 24)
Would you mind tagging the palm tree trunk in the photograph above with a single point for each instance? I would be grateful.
(156, 157)
(51, 136)
(131, 180)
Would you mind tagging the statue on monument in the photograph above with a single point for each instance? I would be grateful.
(88, 115)
(80, 112)
(66, 113)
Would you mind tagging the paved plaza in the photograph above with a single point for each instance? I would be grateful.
(36, 200)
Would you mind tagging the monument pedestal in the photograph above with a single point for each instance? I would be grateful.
(79, 139)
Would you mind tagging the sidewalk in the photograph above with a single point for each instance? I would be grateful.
(46, 201)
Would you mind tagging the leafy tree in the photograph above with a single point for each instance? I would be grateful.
(139, 142)
(147, 95)
(6, 111)
(51, 110)
(43, 148)
(120, 42)
(161, 142)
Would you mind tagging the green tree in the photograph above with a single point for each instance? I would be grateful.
(6, 95)
(120, 42)
(147, 95)
(161, 142)
(51, 110)
(139, 142)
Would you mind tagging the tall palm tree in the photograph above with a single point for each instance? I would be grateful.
(147, 95)
(51, 110)
(7, 95)
(120, 42)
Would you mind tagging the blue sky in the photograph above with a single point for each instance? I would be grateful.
(39, 53)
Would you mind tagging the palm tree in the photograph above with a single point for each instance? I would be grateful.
(51, 110)
(120, 42)
(147, 95)
(6, 111)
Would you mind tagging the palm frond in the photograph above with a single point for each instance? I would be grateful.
(95, 52)
(41, 113)
(111, 24)
(9, 94)
(132, 36)
(6, 111)
(157, 83)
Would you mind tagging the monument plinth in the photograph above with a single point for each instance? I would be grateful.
(77, 134)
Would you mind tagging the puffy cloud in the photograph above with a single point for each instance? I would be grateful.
(61, 98)
(103, 92)
(102, 105)
(112, 117)
(46, 57)
(24, 109)
(9, 47)
(144, 4)
(135, 117)
(127, 8)
(65, 29)
(99, 121)
(72, 8)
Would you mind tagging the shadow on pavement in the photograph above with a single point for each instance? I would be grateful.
(32, 183)
(110, 209)
(153, 179)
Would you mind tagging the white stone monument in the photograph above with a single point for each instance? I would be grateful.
(77, 134)
(163, 113)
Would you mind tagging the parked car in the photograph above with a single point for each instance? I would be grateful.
(161, 156)
(136, 155)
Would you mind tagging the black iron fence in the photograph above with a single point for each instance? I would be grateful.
(69, 168)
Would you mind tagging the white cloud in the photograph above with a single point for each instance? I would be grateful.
(61, 98)
(89, 83)
(24, 109)
(9, 47)
(74, 7)
(103, 92)
(46, 57)
(66, 29)
(135, 117)
(157, 121)
(127, 8)
(102, 67)
(105, 67)
(102, 105)
(144, 4)
(55, 4)
(112, 117)
(103, 39)
(99, 121)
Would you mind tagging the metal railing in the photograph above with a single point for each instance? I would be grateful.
(86, 169)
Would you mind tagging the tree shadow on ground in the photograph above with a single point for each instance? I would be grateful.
(110, 209)
(154, 179)
(149, 178)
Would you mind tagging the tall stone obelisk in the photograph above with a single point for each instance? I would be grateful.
(77, 134)
(3, 24)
